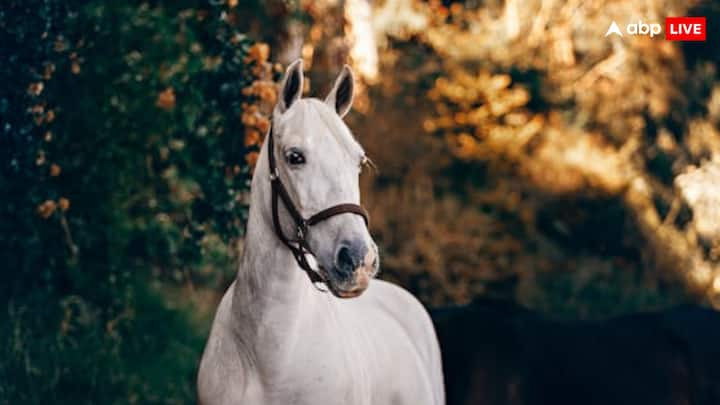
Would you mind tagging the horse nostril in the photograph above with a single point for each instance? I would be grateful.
(345, 261)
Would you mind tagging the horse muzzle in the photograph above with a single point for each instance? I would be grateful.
(354, 265)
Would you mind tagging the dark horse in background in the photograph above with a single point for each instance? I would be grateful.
(496, 353)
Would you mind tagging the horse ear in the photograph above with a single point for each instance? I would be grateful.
(340, 98)
(291, 86)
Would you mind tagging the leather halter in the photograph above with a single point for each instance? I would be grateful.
(299, 246)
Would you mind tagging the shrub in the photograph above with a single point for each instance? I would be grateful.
(129, 134)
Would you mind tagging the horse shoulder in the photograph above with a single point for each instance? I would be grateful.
(404, 308)
(222, 375)
(412, 316)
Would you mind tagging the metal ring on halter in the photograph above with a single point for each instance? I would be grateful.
(302, 230)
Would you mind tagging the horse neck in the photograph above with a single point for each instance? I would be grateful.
(272, 294)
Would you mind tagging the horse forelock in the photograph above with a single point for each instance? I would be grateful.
(317, 111)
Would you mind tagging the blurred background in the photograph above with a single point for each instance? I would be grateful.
(522, 155)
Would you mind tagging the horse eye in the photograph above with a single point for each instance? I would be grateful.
(295, 157)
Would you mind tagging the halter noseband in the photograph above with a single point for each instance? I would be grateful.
(299, 247)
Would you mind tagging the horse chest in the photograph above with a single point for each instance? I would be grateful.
(322, 369)
(358, 363)
(349, 357)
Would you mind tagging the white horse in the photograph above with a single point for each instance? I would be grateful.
(278, 339)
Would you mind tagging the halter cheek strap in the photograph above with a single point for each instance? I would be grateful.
(299, 246)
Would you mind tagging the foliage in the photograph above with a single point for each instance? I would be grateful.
(129, 133)
(565, 153)
(569, 140)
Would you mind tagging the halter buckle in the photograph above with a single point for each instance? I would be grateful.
(274, 175)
